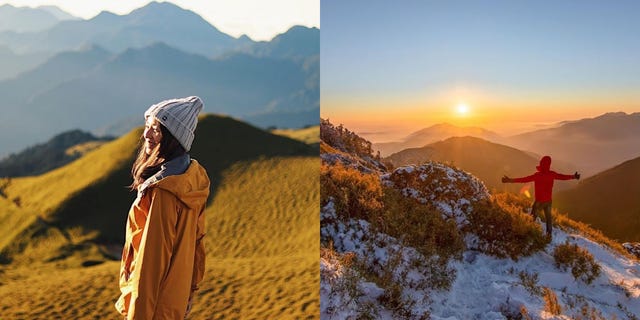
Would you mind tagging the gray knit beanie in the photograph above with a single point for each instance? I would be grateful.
(179, 116)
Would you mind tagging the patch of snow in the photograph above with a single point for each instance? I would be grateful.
(483, 286)
(449, 190)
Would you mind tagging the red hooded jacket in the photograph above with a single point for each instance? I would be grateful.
(543, 179)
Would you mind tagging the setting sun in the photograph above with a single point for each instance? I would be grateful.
(462, 109)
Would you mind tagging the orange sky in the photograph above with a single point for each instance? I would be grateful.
(389, 119)
(391, 70)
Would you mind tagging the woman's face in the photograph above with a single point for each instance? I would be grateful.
(152, 134)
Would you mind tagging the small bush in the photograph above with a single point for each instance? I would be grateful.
(356, 195)
(419, 226)
(530, 282)
(503, 229)
(551, 303)
(581, 262)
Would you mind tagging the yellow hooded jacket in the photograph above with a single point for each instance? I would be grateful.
(163, 256)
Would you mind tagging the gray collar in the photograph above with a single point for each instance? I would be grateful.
(172, 167)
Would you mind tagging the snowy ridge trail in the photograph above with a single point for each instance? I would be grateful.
(482, 286)
(488, 288)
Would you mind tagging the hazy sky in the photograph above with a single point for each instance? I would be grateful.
(260, 20)
(399, 66)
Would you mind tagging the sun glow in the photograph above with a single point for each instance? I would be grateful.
(462, 109)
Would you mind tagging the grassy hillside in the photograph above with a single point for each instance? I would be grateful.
(262, 223)
(608, 201)
(486, 160)
(309, 135)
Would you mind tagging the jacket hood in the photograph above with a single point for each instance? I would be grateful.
(545, 164)
(191, 187)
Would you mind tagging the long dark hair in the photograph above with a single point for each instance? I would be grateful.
(147, 165)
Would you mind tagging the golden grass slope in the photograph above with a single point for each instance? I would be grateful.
(262, 231)
(309, 135)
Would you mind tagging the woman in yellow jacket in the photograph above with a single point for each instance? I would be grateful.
(163, 256)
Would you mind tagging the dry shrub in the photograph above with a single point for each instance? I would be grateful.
(551, 303)
(503, 230)
(419, 226)
(596, 235)
(590, 313)
(355, 194)
(530, 282)
(581, 262)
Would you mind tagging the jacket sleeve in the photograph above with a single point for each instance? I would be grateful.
(154, 254)
(199, 259)
(524, 179)
(560, 176)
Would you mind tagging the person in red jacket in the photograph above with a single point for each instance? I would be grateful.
(543, 185)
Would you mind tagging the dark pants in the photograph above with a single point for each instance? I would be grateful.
(546, 206)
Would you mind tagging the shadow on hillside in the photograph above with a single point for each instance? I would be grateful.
(220, 142)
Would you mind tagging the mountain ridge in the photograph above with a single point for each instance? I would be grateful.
(611, 134)
(613, 190)
(488, 161)
(101, 89)
(432, 134)
(154, 22)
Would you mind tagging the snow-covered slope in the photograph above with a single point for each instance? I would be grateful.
(368, 274)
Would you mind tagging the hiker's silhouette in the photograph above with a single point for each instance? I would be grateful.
(543, 185)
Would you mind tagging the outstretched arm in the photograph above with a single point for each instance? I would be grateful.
(523, 179)
(560, 176)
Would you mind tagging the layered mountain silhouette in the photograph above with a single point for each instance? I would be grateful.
(99, 90)
(593, 144)
(486, 160)
(25, 19)
(106, 91)
(432, 134)
(609, 201)
(152, 23)
(12, 64)
(297, 42)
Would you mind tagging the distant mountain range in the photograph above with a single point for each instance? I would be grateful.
(486, 160)
(12, 64)
(609, 201)
(593, 144)
(25, 19)
(588, 145)
(432, 134)
(155, 22)
(120, 65)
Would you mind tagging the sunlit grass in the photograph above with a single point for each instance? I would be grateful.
(83, 148)
(308, 135)
(44, 193)
(262, 239)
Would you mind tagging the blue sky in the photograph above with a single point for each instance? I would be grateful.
(565, 59)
